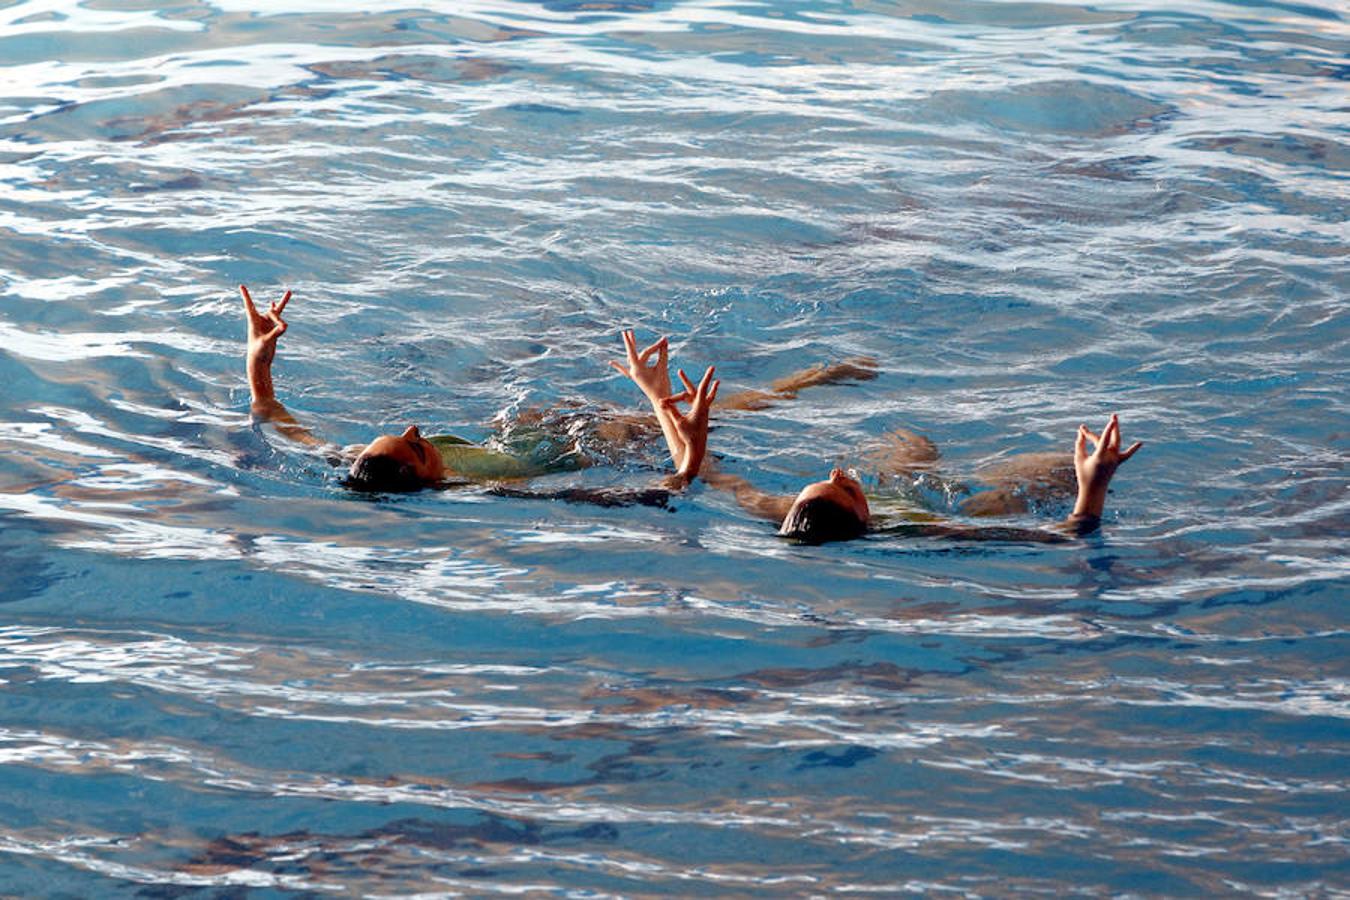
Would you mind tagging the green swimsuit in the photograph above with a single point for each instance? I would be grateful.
(477, 463)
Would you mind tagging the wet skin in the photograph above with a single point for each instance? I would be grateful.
(840, 489)
(410, 449)
(686, 433)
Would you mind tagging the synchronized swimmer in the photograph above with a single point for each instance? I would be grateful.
(835, 508)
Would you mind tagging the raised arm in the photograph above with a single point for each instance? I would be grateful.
(654, 381)
(1093, 471)
(692, 427)
(264, 329)
(686, 434)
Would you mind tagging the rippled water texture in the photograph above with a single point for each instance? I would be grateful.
(221, 671)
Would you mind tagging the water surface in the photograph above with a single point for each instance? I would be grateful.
(224, 672)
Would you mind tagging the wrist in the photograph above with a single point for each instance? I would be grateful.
(1082, 523)
(1090, 503)
(691, 464)
(260, 379)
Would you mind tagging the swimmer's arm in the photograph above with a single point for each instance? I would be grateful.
(654, 381)
(264, 329)
(692, 427)
(956, 532)
(1094, 471)
(686, 434)
(760, 504)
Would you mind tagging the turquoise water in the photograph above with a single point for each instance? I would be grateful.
(224, 675)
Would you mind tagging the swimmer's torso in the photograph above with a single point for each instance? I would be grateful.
(465, 460)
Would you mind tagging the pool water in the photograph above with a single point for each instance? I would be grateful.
(223, 674)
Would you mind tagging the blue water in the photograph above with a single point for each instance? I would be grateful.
(222, 673)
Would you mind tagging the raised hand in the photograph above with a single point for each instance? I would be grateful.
(264, 328)
(693, 425)
(654, 380)
(1095, 469)
(263, 331)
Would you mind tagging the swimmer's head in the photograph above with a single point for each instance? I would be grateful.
(831, 510)
(404, 462)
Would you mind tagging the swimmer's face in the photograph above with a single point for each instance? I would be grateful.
(409, 449)
(841, 489)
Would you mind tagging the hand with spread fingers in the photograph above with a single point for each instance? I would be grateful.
(263, 331)
(693, 425)
(654, 380)
(264, 328)
(1096, 468)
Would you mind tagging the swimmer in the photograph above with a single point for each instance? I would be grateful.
(390, 463)
(410, 461)
(837, 508)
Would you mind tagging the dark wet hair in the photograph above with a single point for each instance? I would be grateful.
(819, 519)
(382, 474)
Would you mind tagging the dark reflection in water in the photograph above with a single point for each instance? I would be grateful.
(23, 572)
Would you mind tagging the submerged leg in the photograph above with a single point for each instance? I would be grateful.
(1020, 481)
(901, 453)
(858, 368)
(613, 431)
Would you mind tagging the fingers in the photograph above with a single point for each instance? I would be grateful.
(248, 302)
(688, 385)
(705, 392)
(1111, 433)
(1108, 443)
(630, 346)
(273, 312)
(647, 354)
(622, 369)
(674, 400)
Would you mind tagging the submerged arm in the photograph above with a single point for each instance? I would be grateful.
(955, 532)
(760, 504)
